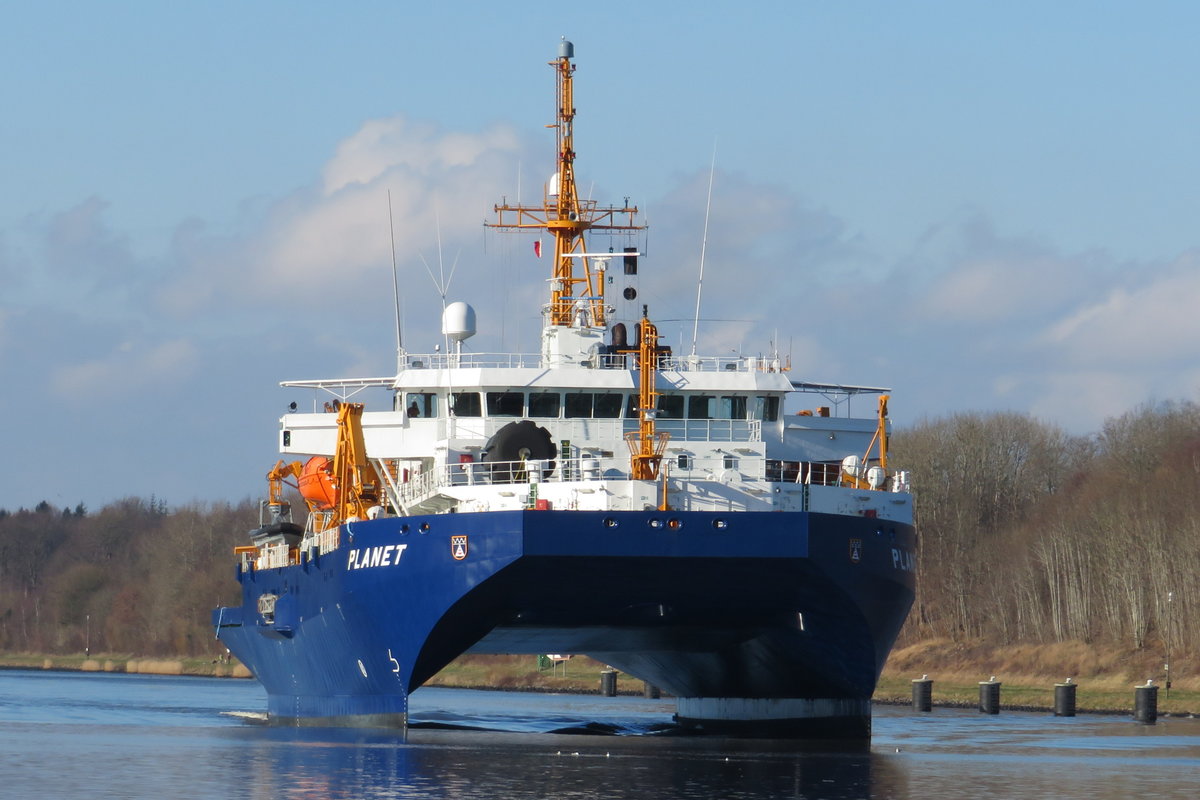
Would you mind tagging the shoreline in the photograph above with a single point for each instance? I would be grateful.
(1029, 709)
(129, 665)
(1100, 695)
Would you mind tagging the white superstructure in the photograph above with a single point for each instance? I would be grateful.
(731, 447)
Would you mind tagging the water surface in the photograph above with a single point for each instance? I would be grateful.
(131, 736)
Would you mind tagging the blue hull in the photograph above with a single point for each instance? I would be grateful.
(796, 607)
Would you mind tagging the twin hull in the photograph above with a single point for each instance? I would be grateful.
(788, 614)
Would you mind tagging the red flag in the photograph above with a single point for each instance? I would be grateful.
(537, 248)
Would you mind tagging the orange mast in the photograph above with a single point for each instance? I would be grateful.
(646, 446)
(575, 288)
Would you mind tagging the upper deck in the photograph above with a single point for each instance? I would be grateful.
(605, 371)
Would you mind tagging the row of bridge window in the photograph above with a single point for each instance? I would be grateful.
(590, 405)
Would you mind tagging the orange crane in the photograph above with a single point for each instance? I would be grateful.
(356, 482)
(343, 490)
(646, 445)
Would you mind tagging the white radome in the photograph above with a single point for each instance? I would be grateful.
(458, 321)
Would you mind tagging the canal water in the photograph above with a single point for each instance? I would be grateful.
(129, 736)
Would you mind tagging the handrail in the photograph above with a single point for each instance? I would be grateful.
(724, 468)
(427, 361)
(584, 468)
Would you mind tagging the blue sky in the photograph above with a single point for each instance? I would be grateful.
(984, 205)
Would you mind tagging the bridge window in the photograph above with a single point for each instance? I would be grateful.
(544, 404)
(466, 404)
(505, 404)
(766, 408)
(700, 406)
(731, 407)
(707, 406)
(670, 406)
(421, 404)
(578, 404)
(600, 406)
(607, 406)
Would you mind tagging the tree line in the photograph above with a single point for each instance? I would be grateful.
(135, 578)
(1029, 534)
(1026, 533)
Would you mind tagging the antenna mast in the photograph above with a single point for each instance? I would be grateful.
(703, 246)
(567, 218)
(395, 286)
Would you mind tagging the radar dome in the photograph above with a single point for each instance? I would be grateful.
(458, 321)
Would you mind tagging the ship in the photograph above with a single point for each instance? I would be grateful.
(711, 525)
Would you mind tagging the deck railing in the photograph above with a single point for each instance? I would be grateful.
(724, 467)
(622, 361)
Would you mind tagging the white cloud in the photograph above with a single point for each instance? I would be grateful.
(1102, 357)
(80, 245)
(1152, 322)
(968, 274)
(768, 257)
(414, 148)
(993, 289)
(129, 368)
(1080, 400)
(332, 244)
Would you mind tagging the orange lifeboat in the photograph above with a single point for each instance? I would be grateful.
(316, 483)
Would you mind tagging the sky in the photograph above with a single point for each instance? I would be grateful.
(986, 206)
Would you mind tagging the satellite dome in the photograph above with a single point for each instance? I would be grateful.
(458, 321)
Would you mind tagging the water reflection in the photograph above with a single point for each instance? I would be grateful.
(304, 763)
(143, 737)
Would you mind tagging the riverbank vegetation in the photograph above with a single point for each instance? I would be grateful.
(1042, 555)
(1030, 535)
(135, 577)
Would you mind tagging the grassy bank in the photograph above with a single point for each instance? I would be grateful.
(123, 662)
(1025, 693)
(577, 675)
(1105, 677)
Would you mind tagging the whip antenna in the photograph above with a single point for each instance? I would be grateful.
(703, 246)
(395, 286)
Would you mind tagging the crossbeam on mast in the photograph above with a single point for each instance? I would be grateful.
(567, 218)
